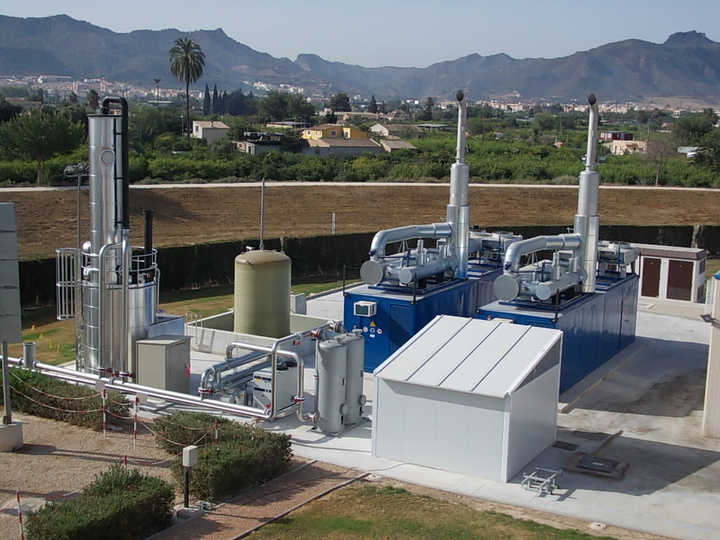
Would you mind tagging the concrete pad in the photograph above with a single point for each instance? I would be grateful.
(11, 437)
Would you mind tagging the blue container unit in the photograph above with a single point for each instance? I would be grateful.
(389, 316)
(595, 326)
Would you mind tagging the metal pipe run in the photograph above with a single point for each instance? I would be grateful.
(213, 372)
(409, 232)
(167, 395)
(582, 267)
(274, 351)
(511, 263)
(456, 229)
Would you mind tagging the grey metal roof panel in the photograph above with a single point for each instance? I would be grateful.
(519, 361)
(421, 348)
(483, 362)
(489, 358)
(460, 347)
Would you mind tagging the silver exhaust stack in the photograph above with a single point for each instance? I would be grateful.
(451, 256)
(458, 209)
(542, 281)
(587, 221)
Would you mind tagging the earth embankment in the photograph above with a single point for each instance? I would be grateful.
(193, 214)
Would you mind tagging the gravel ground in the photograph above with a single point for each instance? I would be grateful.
(59, 459)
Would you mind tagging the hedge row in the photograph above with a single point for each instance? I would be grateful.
(244, 456)
(48, 397)
(120, 505)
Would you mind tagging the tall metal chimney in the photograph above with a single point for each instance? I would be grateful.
(587, 221)
(458, 209)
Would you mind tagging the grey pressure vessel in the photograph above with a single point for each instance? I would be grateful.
(331, 372)
(354, 396)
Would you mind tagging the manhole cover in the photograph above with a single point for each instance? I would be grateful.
(597, 464)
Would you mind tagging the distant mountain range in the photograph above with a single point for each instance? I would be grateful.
(686, 65)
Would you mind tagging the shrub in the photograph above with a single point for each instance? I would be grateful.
(229, 467)
(120, 504)
(48, 397)
(18, 171)
(245, 455)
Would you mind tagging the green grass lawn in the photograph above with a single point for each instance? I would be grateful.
(364, 510)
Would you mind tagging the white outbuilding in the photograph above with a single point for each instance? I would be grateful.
(470, 396)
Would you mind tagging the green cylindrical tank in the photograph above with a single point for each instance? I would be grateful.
(262, 293)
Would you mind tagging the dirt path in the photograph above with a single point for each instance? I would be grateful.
(252, 510)
(199, 214)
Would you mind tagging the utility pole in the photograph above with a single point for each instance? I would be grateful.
(157, 92)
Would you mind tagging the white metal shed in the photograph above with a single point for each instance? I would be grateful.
(469, 396)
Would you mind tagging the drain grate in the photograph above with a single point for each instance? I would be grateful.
(562, 445)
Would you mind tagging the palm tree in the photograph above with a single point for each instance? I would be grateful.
(186, 65)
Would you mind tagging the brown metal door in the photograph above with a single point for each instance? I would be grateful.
(650, 277)
(680, 275)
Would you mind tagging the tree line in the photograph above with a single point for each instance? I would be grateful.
(540, 145)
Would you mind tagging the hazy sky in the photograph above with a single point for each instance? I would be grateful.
(400, 32)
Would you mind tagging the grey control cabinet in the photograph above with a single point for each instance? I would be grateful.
(162, 362)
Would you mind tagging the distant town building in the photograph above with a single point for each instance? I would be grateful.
(256, 143)
(397, 131)
(333, 131)
(616, 136)
(211, 130)
(341, 147)
(620, 147)
(392, 145)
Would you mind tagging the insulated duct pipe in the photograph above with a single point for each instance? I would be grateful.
(582, 268)
(587, 221)
(513, 282)
(381, 267)
(538, 243)
(388, 236)
(458, 209)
